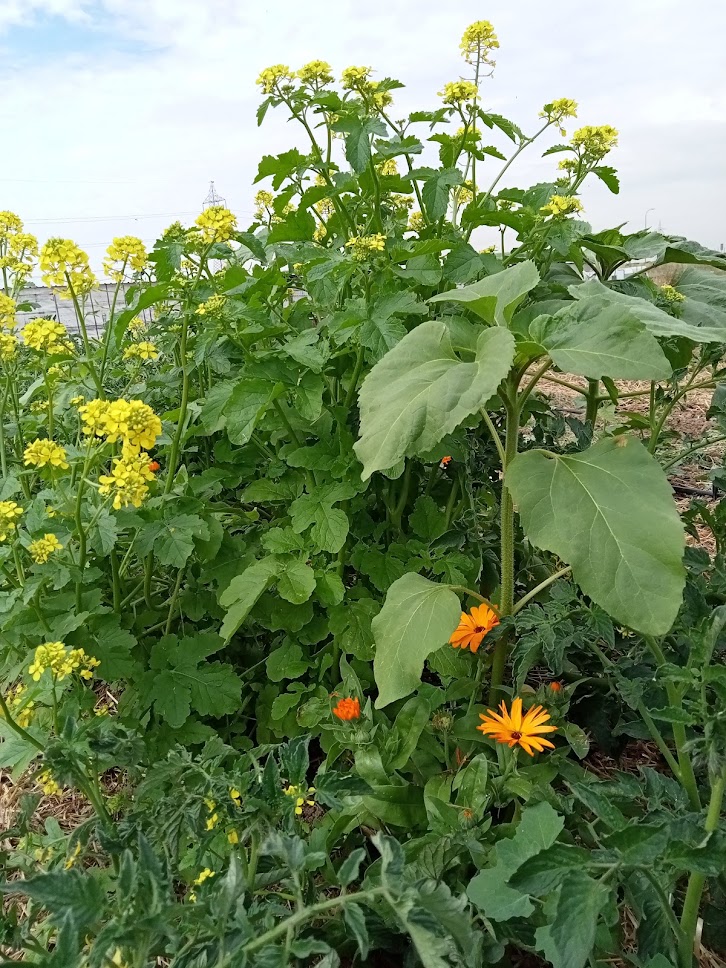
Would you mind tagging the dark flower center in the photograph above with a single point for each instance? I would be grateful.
(479, 628)
(516, 735)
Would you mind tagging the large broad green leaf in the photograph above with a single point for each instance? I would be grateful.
(608, 512)
(246, 405)
(420, 391)
(595, 338)
(705, 292)
(568, 941)
(697, 322)
(418, 617)
(496, 297)
(242, 593)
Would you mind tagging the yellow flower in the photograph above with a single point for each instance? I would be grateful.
(213, 306)
(43, 452)
(41, 549)
(217, 223)
(8, 308)
(561, 205)
(568, 164)
(381, 99)
(301, 798)
(10, 223)
(235, 796)
(354, 77)
(364, 246)
(64, 266)
(473, 626)
(478, 42)
(131, 421)
(557, 111)
(46, 336)
(204, 876)
(595, 140)
(514, 729)
(125, 252)
(141, 351)
(74, 401)
(9, 513)
(48, 785)
(72, 858)
(8, 346)
(457, 92)
(270, 77)
(263, 204)
(233, 837)
(672, 294)
(19, 705)
(320, 233)
(127, 481)
(388, 167)
(61, 662)
(93, 415)
(316, 72)
(416, 222)
(136, 325)
(21, 253)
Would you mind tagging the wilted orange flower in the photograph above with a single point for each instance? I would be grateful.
(347, 709)
(556, 686)
(473, 626)
(514, 729)
(154, 466)
(445, 461)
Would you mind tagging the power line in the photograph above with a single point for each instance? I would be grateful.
(106, 218)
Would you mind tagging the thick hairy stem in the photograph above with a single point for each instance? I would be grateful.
(592, 401)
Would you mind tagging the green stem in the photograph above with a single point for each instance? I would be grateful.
(109, 323)
(148, 575)
(494, 435)
(176, 442)
(451, 503)
(84, 334)
(116, 579)
(400, 506)
(697, 880)
(463, 590)
(592, 398)
(3, 455)
(359, 359)
(692, 450)
(536, 377)
(172, 603)
(539, 588)
(80, 529)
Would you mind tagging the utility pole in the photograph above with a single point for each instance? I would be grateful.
(213, 198)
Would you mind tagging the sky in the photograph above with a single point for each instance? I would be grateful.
(116, 114)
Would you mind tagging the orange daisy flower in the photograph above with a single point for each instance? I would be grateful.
(514, 729)
(347, 709)
(473, 626)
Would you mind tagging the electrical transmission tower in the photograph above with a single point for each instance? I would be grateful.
(213, 198)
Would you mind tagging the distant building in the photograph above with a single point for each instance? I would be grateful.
(47, 304)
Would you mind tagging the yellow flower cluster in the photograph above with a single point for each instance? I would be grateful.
(20, 707)
(18, 249)
(141, 351)
(464, 194)
(8, 307)
(263, 204)
(212, 815)
(672, 294)
(316, 72)
(401, 203)
(569, 165)
(558, 110)
(217, 223)
(65, 266)
(9, 514)
(48, 785)
(136, 326)
(125, 252)
(388, 167)
(47, 336)
(301, 797)
(131, 421)
(457, 92)
(43, 548)
(363, 246)
(43, 452)
(10, 223)
(127, 480)
(270, 77)
(595, 140)
(416, 222)
(204, 876)
(561, 205)
(355, 77)
(213, 306)
(8, 346)
(478, 41)
(61, 661)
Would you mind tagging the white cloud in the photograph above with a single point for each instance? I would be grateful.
(140, 124)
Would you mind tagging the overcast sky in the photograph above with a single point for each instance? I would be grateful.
(119, 108)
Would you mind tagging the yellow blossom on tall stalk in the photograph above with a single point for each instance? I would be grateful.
(10, 224)
(9, 514)
(40, 453)
(136, 326)
(270, 77)
(41, 549)
(217, 223)
(212, 306)
(8, 308)
(416, 222)
(558, 110)
(388, 167)
(477, 43)
(458, 92)
(561, 205)
(316, 72)
(125, 253)
(143, 350)
(48, 785)
(353, 77)
(363, 246)
(263, 204)
(20, 254)
(133, 422)
(8, 346)
(46, 336)
(62, 661)
(64, 266)
(21, 708)
(595, 141)
(127, 481)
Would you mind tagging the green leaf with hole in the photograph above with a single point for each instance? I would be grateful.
(609, 512)
(417, 618)
(420, 391)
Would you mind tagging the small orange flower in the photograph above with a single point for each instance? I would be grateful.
(473, 626)
(556, 686)
(514, 729)
(154, 466)
(445, 461)
(347, 709)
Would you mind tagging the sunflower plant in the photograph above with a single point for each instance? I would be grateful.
(342, 573)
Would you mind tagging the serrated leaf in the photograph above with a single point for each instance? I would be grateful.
(215, 688)
(348, 870)
(355, 920)
(421, 391)
(172, 697)
(296, 582)
(437, 189)
(286, 662)
(608, 176)
(609, 512)
(495, 297)
(596, 338)
(68, 895)
(245, 406)
(417, 618)
(572, 933)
